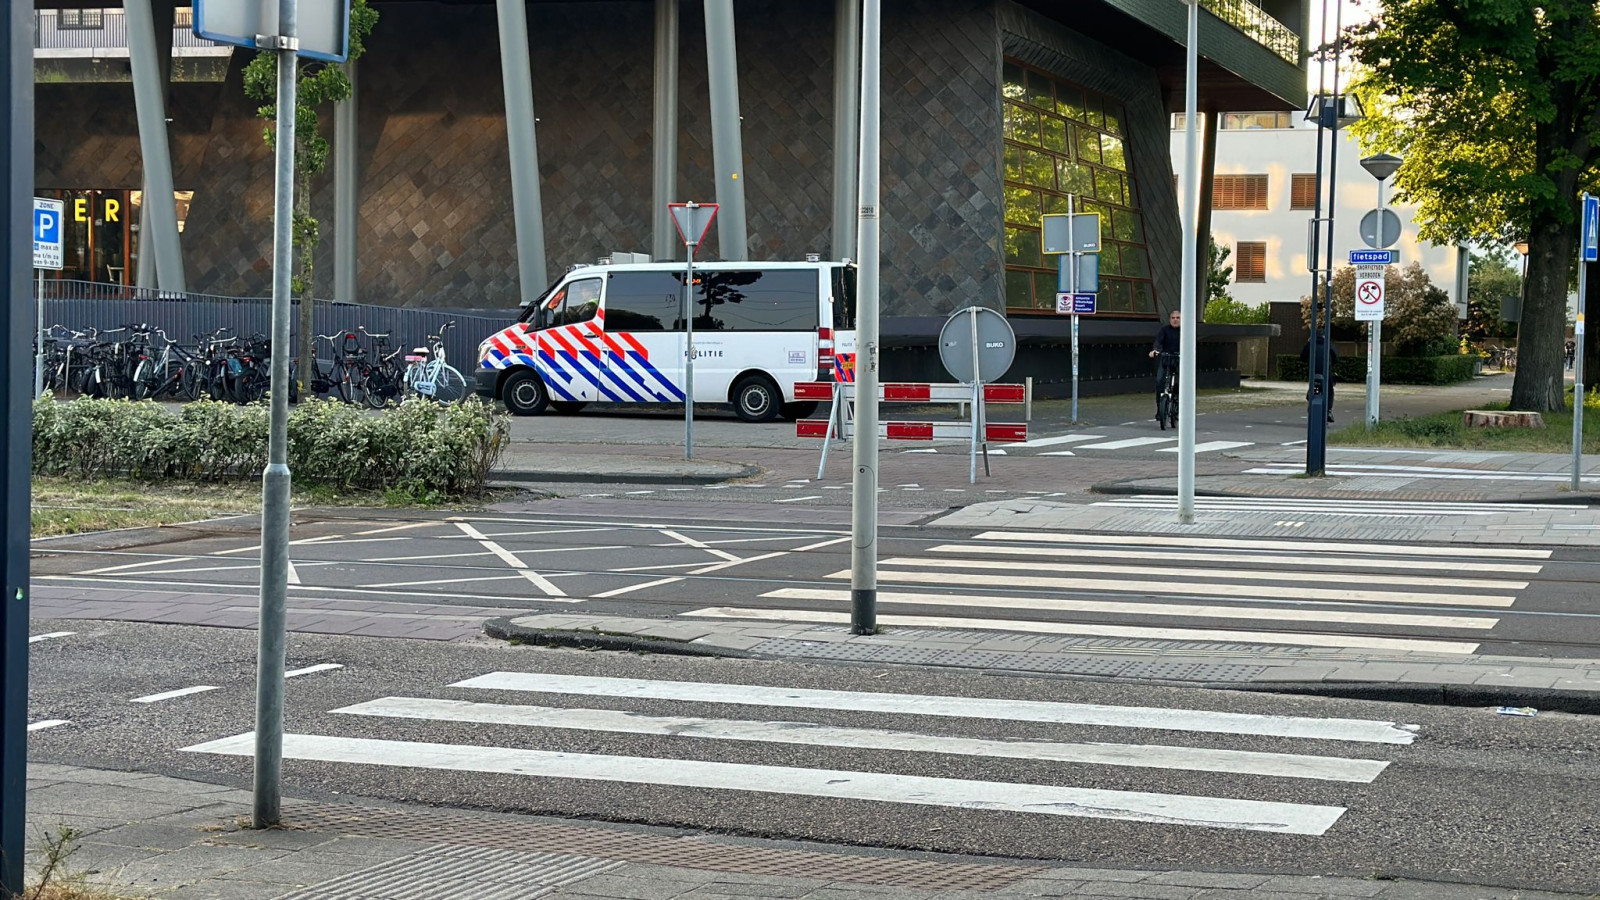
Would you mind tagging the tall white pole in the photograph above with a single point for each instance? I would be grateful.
(864, 488)
(688, 354)
(1375, 342)
(1577, 364)
(1191, 321)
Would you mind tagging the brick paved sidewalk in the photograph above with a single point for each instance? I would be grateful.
(150, 835)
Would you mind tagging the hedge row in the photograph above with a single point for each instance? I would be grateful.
(1396, 369)
(425, 450)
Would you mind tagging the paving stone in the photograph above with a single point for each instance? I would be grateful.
(1330, 887)
(1207, 879)
(614, 887)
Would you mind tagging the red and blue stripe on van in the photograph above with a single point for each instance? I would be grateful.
(616, 365)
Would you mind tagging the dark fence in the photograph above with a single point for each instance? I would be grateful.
(80, 305)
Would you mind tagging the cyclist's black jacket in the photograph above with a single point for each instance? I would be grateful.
(1166, 340)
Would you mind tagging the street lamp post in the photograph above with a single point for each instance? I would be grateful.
(1380, 166)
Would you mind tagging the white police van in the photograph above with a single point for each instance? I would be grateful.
(614, 333)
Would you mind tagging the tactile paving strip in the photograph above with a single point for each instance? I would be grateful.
(1031, 661)
(692, 852)
(447, 871)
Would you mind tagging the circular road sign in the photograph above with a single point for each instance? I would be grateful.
(995, 348)
(1370, 224)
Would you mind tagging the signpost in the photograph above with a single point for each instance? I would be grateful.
(1369, 295)
(322, 27)
(693, 220)
(1380, 228)
(1075, 240)
(976, 346)
(1588, 252)
(47, 217)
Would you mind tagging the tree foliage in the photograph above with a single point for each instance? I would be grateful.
(1495, 107)
(1220, 306)
(1418, 316)
(1491, 280)
(1218, 273)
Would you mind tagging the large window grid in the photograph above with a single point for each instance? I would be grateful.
(1061, 140)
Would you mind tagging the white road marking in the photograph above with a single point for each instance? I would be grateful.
(180, 692)
(1178, 558)
(1209, 446)
(1264, 591)
(235, 589)
(406, 527)
(637, 587)
(249, 566)
(1059, 453)
(309, 670)
(1207, 504)
(1126, 443)
(1171, 610)
(1168, 540)
(717, 567)
(36, 638)
(47, 723)
(1193, 759)
(139, 565)
(819, 545)
(689, 565)
(428, 556)
(698, 545)
(1061, 439)
(1158, 718)
(294, 576)
(1010, 565)
(1169, 809)
(511, 559)
(1122, 631)
(455, 580)
(798, 499)
(540, 532)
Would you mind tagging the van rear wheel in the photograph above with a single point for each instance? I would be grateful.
(756, 399)
(524, 393)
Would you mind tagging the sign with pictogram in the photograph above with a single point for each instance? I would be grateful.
(1369, 294)
(47, 216)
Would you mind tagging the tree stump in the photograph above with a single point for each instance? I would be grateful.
(1484, 418)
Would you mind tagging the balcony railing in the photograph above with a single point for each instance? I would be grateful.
(98, 29)
(1260, 27)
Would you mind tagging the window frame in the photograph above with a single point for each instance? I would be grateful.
(1258, 262)
(1299, 181)
(1240, 192)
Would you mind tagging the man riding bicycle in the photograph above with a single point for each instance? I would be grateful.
(1166, 348)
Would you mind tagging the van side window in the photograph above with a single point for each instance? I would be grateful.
(582, 302)
(844, 298)
(756, 300)
(644, 301)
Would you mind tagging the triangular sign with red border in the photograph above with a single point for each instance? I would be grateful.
(693, 220)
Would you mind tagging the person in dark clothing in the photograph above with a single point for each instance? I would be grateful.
(1166, 342)
(1329, 380)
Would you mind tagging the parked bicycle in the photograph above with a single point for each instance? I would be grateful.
(429, 374)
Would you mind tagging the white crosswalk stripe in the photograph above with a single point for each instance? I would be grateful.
(687, 751)
(1142, 444)
(1376, 509)
(1354, 596)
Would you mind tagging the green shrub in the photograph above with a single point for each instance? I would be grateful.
(1226, 310)
(419, 452)
(1396, 369)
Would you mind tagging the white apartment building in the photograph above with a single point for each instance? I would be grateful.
(1262, 203)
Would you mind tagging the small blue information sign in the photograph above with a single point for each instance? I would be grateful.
(1589, 248)
(1371, 257)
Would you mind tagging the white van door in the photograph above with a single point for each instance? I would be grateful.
(761, 320)
(569, 359)
(643, 336)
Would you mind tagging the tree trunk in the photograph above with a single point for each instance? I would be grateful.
(1541, 352)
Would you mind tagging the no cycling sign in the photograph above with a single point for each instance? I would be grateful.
(1369, 294)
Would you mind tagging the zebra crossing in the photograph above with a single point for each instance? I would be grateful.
(679, 734)
(1342, 507)
(1339, 595)
(1078, 442)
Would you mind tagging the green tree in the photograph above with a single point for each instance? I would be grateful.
(1491, 279)
(318, 84)
(1418, 316)
(1219, 274)
(1220, 306)
(1495, 105)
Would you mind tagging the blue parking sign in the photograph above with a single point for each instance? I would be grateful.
(47, 223)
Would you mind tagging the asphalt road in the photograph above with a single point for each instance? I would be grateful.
(708, 558)
(1445, 793)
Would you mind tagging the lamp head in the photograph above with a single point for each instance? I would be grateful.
(1382, 165)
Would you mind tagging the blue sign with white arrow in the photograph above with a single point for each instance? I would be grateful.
(1371, 257)
(1589, 247)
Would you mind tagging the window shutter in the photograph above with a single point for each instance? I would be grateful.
(1250, 262)
(1239, 192)
(1303, 191)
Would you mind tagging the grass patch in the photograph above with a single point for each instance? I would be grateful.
(1445, 431)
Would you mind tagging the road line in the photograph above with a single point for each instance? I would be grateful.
(1011, 565)
(1171, 558)
(1209, 446)
(1167, 540)
(689, 565)
(409, 525)
(36, 638)
(428, 556)
(1050, 711)
(542, 583)
(169, 695)
(1058, 453)
(540, 532)
(1262, 591)
(239, 590)
(139, 565)
(1127, 443)
(511, 559)
(1060, 439)
(819, 545)
(798, 499)
(717, 567)
(1248, 506)
(1408, 645)
(457, 580)
(47, 723)
(293, 576)
(1174, 610)
(1192, 759)
(309, 670)
(1169, 809)
(638, 587)
(251, 566)
(1359, 502)
(698, 545)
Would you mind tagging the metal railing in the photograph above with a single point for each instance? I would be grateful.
(49, 33)
(1258, 26)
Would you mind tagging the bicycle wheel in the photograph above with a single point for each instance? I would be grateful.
(1163, 402)
(343, 381)
(449, 386)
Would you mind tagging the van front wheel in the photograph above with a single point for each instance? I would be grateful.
(524, 393)
(756, 399)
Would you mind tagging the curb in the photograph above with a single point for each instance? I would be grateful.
(504, 629)
(745, 470)
(1128, 488)
(1584, 703)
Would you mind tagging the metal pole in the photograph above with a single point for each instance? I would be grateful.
(526, 207)
(1375, 344)
(1316, 400)
(38, 362)
(1191, 321)
(1072, 286)
(664, 132)
(275, 480)
(727, 147)
(688, 353)
(16, 193)
(346, 191)
(1577, 374)
(155, 155)
(977, 397)
(1325, 349)
(864, 487)
(1074, 368)
(846, 122)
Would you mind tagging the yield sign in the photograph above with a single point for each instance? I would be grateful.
(693, 220)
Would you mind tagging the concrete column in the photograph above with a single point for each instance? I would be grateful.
(664, 240)
(346, 199)
(517, 74)
(163, 12)
(846, 123)
(1208, 174)
(727, 146)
